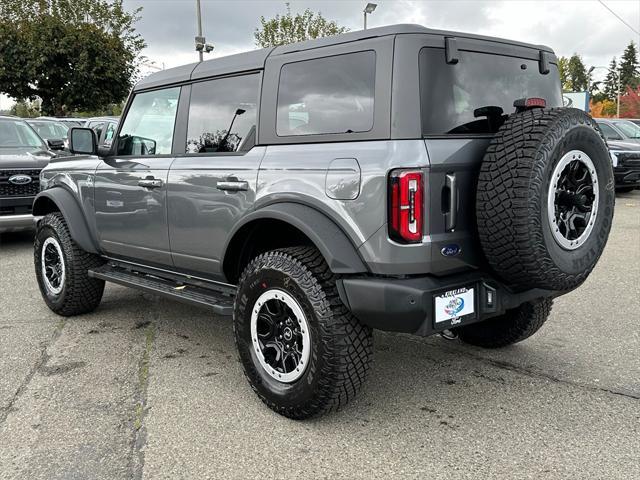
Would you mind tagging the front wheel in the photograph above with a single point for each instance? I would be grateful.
(61, 269)
(303, 352)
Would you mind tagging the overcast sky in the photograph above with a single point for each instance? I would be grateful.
(568, 26)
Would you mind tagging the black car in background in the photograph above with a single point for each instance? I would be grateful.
(626, 164)
(52, 132)
(22, 155)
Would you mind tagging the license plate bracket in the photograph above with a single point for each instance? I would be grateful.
(454, 307)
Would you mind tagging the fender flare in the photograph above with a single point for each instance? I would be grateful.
(334, 245)
(71, 212)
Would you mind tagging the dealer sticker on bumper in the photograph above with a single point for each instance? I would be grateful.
(454, 304)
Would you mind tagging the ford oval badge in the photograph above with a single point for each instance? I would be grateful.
(450, 250)
(20, 179)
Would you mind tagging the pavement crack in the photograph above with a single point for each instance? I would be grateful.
(140, 396)
(40, 362)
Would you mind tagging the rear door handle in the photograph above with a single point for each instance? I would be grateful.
(233, 185)
(150, 182)
(451, 215)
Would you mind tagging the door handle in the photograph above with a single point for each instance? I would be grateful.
(150, 183)
(233, 186)
(451, 215)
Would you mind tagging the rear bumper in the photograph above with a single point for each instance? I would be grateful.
(12, 223)
(407, 304)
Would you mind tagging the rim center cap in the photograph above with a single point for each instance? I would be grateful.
(287, 334)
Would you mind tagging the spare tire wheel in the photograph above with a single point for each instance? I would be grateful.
(545, 199)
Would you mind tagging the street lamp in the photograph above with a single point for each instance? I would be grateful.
(201, 42)
(368, 10)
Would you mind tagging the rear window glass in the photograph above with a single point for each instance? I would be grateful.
(474, 95)
(327, 95)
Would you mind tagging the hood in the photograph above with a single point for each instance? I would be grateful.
(623, 146)
(24, 157)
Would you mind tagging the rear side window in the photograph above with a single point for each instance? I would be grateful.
(222, 115)
(327, 95)
(148, 126)
(474, 95)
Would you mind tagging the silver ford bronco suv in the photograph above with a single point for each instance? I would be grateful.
(398, 178)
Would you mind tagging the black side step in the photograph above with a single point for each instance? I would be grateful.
(221, 303)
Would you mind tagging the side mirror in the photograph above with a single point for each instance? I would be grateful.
(82, 141)
(55, 144)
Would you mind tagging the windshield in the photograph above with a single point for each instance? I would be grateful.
(16, 133)
(630, 129)
(474, 95)
(50, 130)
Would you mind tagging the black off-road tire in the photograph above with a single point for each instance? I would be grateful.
(341, 347)
(514, 326)
(511, 200)
(80, 293)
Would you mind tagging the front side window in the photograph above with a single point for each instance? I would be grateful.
(327, 95)
(474, 95)
(111, 130)
(148, 126)
(222, 115)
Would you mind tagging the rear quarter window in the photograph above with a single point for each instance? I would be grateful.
(451, 94)
(327, 95)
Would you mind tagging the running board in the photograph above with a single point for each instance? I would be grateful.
(219, 302)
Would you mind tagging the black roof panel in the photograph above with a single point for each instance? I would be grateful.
(253, 60)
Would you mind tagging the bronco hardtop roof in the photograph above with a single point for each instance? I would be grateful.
(255, 59)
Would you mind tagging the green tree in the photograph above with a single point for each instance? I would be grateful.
(577, 76)
(26, 109)
(287, 28)
(629, 68)
(72, 54)
(563, 69)
(610, 88)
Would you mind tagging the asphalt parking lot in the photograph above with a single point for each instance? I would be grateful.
(147, 388)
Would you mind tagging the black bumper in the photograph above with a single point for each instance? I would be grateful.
(627, 174)
(407, 304)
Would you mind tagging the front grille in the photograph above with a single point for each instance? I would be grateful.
(8, 189)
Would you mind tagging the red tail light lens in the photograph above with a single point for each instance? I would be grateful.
(406, 193)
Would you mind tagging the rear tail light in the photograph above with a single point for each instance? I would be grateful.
(406, 212)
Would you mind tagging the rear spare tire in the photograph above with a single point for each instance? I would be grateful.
(545, 199)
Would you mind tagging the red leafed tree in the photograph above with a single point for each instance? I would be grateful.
(630, 103)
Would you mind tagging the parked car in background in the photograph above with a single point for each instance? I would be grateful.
(626, 165)
(635, 121)
(69, 121)
(23, 153)
(52, 132)
(619, 130)
(105, 128)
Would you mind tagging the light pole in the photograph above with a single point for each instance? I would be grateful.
(201, 42)
(618, 103)
(368, 10)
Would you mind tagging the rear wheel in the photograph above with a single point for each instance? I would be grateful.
(303, 352)
(61, 269)
(514, 326)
